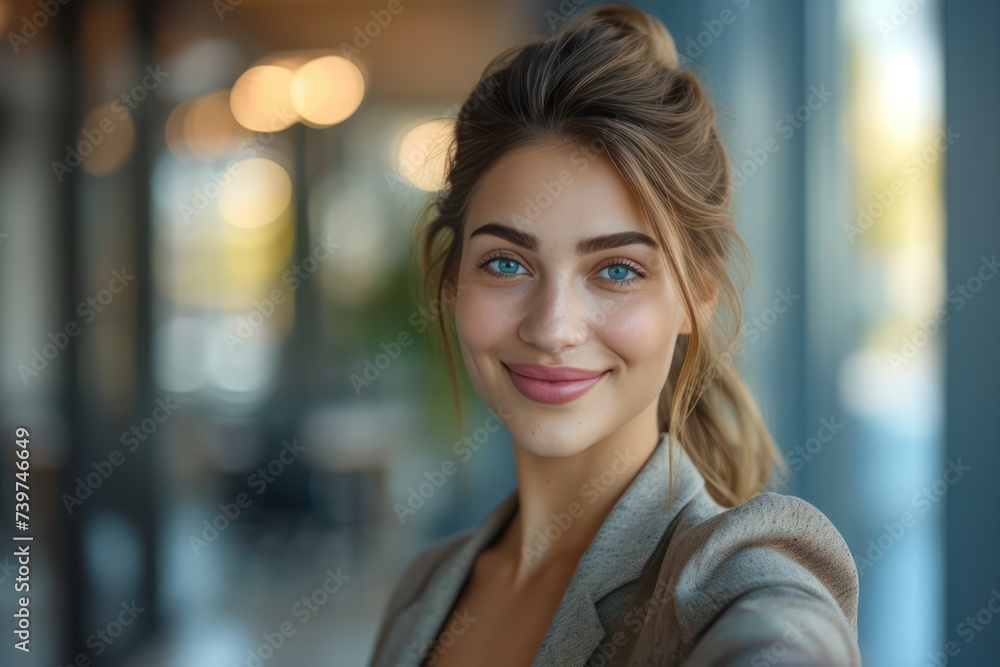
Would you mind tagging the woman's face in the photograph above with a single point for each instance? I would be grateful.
(555, 274)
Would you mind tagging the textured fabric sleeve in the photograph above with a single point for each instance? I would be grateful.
(776, 626)
(769, 582)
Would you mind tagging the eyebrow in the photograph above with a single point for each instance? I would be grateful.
(583, 246)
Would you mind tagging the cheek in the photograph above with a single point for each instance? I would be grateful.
(642, 332)
(482, 321)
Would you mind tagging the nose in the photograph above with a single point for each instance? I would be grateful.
(555, 315)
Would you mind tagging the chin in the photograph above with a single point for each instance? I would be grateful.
(552, 437)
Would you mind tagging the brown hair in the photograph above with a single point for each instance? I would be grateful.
(612, 77)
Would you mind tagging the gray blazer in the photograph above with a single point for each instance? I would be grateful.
(769, 582)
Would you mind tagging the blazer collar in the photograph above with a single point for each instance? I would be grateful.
(617, 555)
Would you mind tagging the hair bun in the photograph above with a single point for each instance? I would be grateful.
(622, 15)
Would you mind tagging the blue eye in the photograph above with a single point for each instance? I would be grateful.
(506, 265)
(618, 273)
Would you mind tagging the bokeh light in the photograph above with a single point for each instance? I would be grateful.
(173, 131)
(261, 99)
(259, 192)
(213, 130)
(327, 90)
(423, 154)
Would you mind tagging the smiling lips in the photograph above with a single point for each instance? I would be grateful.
(552, 384)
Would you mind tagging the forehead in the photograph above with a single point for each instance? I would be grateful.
(554, 189)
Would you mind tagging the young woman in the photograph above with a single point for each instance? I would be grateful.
(584, 238)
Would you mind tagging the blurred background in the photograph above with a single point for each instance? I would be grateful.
(233, 398)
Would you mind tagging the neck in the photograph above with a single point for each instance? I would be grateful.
(562, 502)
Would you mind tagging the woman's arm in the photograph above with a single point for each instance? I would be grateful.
(780, 626)
(769, 582)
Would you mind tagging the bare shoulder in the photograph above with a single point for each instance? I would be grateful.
(777, 554)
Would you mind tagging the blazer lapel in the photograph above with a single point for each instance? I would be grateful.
(418, 623)
(617, 554)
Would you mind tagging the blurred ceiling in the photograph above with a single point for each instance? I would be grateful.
(429, 49)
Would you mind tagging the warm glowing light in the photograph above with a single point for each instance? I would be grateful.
(188, 131)
(327, 90)
(260, 191)
(213, 128)
(106, 139)
(261, 99)
(423, 154)
(203, 128)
